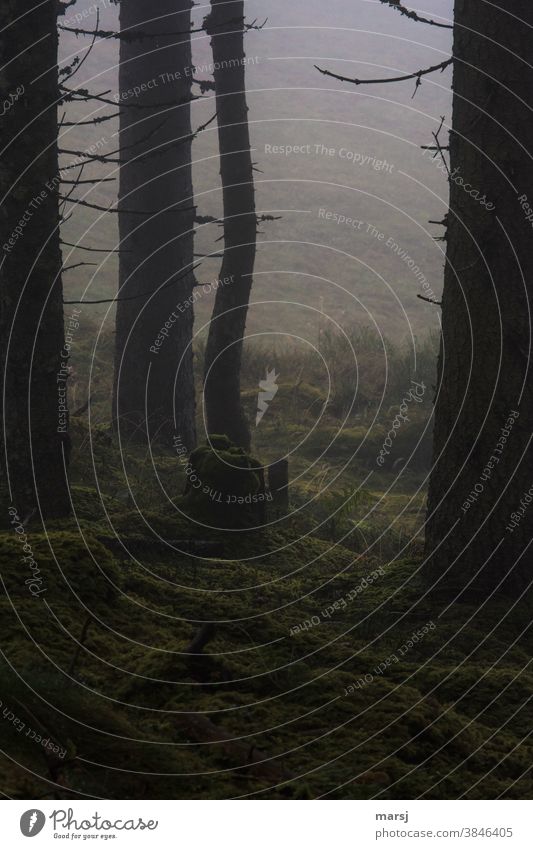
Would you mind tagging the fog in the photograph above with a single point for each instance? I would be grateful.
(340, 164)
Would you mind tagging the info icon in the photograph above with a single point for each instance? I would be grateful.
(32, 822)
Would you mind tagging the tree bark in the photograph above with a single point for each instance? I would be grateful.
(483, 459)
(224, 411)
(34, 362)
(154, 383)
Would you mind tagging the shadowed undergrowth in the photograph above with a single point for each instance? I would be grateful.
(285, 700)
(168, 659)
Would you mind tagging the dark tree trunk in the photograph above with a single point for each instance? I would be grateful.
(483, 460)
(154, 380)
(33, 360)
(222, 393)
(278, 484)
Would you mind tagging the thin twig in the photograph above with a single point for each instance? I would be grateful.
(95, 250)
(409, 13)
(141, 294)
(76, 265)
(416, 75)
(131, 35)
(92, 121)
(430, 300)
(89, 51)
(95, 181)
(440, 149)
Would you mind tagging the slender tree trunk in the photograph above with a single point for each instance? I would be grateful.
(33, 360)
(154, 381)
(224, 412)
(483, 459)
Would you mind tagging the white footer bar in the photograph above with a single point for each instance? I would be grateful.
(268, 824)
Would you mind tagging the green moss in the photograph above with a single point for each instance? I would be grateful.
(450, 718)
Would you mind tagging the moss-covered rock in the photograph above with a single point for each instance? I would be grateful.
(225, 486)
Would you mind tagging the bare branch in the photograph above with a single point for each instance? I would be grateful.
(140, 35)
(79, 63)
(201, 127)
(84, 94)
(94, 182)
(206, 219)
(430, 300)
(62, 7)
(76, 265)
(94, 250)
(416, 75)
(97, 120)
(74, 184)
(110, 209)
(414, 16)
(141, 294)
(89, 157)
(438, 147)
(205, 85)
(106, 158)
(68, 68)
(131, 35)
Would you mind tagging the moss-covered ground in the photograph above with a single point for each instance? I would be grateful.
(320, 665)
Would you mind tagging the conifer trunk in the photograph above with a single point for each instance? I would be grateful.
(153, 383)
(34, 362)
(223, 406)
(483, 458)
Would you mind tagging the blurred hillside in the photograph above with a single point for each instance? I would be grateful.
(359, 157)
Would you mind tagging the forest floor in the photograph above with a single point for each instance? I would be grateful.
(326, 668)
(328, 671)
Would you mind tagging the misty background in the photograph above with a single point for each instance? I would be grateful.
(306, 264)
